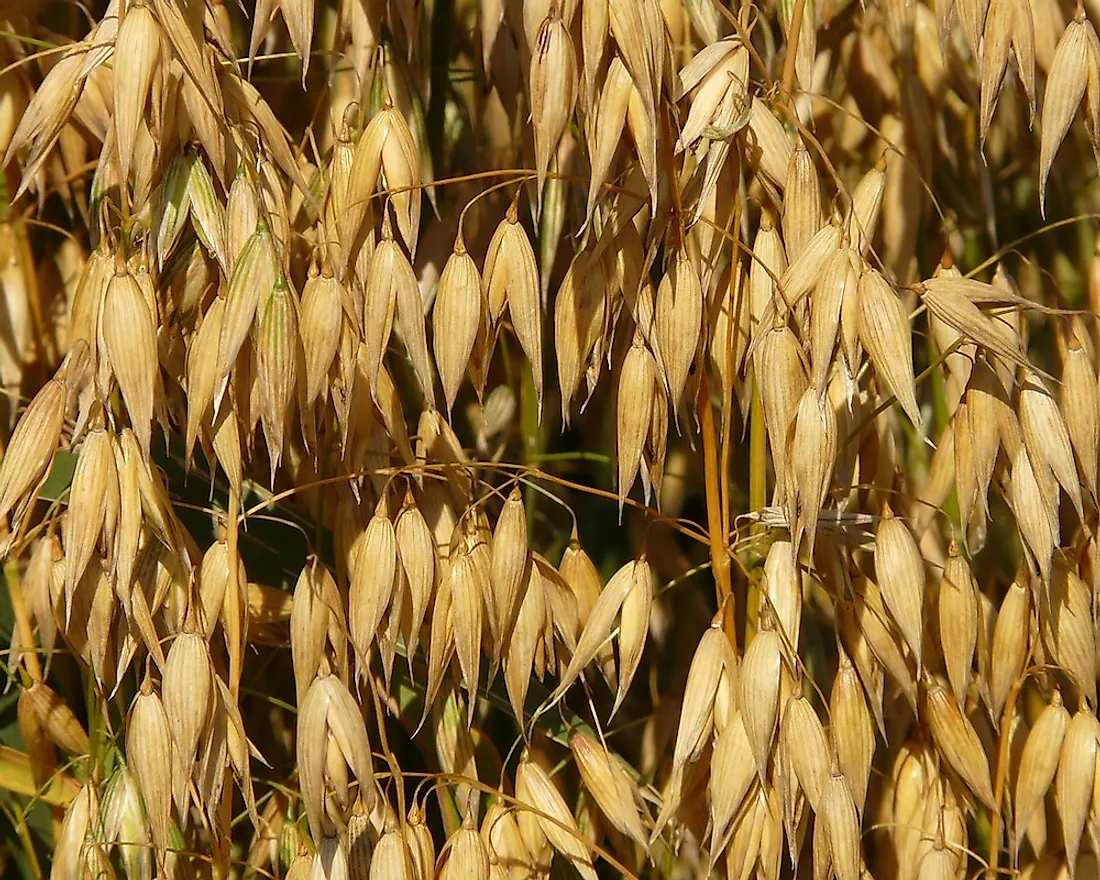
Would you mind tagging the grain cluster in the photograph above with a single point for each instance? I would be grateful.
(545, 438)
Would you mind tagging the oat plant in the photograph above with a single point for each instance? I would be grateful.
(550, 438)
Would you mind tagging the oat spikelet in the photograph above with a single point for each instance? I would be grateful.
(459, 304)
(958, 742)
(553, 90)
(1038, 763)
(899, 571)
(1066, 82)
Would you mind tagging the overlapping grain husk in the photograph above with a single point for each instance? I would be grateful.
(708, 375)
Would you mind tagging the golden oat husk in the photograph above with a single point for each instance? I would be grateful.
(802, 214)
(1033, 516)
(510, 559)
(128, 331)
(319, 324)
(807, 749)
(768, 270)
(610, 785)
(837, 281)
(391, 857)
(1074, 783)
(957, 607)
(1046, 437)
(958, 742)
(579, 315)
(298, 15)
(759, 694)
(389, 261)
(137, 56)
(149, 752)
(1068, 614)
(1080, 405)
(468, 857)
(278, 354)
(885, 334)
(553, 89)
(253, 277)
(32, 445)
(838, 812)
(201, 372)
(55, 718)
(634, 401)
(634, 623)
(459, 304)
(899, 571)
(598, 626)
(242, 216)
(465, 583)
(420, 842)
(867, 207)
(1066, 82)
(869, 614)
(852, 731)
(783, 585)
(511, 278)
(948, 298)
(769, 146)
(812, 457)
(72, 845)
(712, 655)
(678, 314)
(94, 479)
(372, 572)
(535, 789)
(779, 357)
(1038, 764)
(187, 693)
(1010, 645)
(604, 137)
(417, 553)
(309, 623)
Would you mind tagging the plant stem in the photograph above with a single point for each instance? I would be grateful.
(719, 553)
(790, 59)
(758, 495)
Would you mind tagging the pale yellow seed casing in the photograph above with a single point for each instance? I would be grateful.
(187, 693)
(957, 608)
(456, 315)
(812, 457)
(1076, 772)
(1010, 644)
(128, 330)
(899, 570)
(321, 318)
(678, 314)
(885, 334)
(610, 785)
(808, 750)
(553, 89)
(148, 754)
(1038, 763)
(958, 742)
(536, 790)
(137, 56)
(759, 694)
(852, 730)
(1066, 82)
(634, 401)
(372, 571)
(634, 623)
